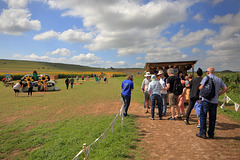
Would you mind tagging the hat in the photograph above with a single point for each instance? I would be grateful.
(160, 72)
(147, 74)
(131, 76)
(154, 77)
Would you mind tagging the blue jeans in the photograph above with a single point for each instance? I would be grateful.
(212, 109)
(164, 101)
(127, 100)
(154, 98)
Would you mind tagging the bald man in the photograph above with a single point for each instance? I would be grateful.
(210, 105)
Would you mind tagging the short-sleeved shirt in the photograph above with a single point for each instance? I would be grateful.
(16, 86)
(162, 82)
(194, 86)
(145, 84)
(218, 85)
(127, 86)
(71, 80)
(171, 80)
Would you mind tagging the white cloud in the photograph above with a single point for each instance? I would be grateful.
(196, 50)
(217, 1)
(124, 25)
(180, 40)
(46, 35)
(198, 17)
(16, 21)
(75, 36)
(61, 52)
(139, 65)
(89, 58)
(16, 3)
(225, 45)
(138, 58)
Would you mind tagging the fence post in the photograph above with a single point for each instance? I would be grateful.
(85, 152)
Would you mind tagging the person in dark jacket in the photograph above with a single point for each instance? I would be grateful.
(194, 93)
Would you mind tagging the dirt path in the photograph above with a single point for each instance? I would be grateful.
(165, 139)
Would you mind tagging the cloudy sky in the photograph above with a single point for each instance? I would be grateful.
(122, 33)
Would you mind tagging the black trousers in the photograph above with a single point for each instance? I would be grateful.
(30, 90)
(190, 107)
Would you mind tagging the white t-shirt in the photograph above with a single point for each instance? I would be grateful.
(163, 84)
(16, 86)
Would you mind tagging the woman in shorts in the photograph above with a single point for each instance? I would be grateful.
(16, 88)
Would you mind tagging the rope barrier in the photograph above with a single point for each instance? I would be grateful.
(85, 149)
(227, 99)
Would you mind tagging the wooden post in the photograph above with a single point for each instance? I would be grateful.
(85, 151)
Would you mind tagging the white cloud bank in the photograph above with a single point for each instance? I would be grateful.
(17, 19)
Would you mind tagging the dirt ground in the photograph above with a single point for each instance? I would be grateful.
(167, 139)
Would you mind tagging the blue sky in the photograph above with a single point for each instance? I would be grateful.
(122, 33)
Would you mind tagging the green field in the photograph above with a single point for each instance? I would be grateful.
(54, 125)
(17, 65)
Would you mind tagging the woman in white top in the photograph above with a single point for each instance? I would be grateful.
(16, 88)
(163, 91)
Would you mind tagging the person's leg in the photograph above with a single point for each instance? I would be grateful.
(31, 91)
(28, 91)
(190, 107)
(164, 100)
(212, 119)
(203, 117)
(152, 97)
(177, 107)
(160, 105)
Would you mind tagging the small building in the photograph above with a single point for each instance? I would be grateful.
(183, 66)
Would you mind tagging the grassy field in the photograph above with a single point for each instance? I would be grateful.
(54, 125)
(18, 65)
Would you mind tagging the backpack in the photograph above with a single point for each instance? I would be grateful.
(208, 90)
(177, 87)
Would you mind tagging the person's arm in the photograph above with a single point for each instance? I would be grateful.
(200, 87)
(142, 87)
(224, 90)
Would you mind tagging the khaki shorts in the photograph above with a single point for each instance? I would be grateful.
(173, 99)
(146, 96)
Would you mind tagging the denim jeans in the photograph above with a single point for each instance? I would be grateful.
(127, 100)
(212, 109)
(164, 101)
(154, 98)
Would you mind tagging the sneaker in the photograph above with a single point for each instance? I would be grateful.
(151, 118)
(179, 117)
(186, 122)
(160, 118)
(198, 125)
(171, 118)
(201, 136)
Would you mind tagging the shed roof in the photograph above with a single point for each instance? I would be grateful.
(175, 63)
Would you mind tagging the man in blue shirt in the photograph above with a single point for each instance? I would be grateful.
(127, 88)
(210, 105)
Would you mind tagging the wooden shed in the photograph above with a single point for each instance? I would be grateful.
(183, 66)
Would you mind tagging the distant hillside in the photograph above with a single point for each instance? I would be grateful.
(25, 66)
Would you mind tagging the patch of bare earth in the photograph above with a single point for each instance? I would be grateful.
(167, 139)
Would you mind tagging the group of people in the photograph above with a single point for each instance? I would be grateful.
(156, 87)
(19, 86)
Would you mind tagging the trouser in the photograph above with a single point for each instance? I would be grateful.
(67, 85)
(127, 100)
(72, 85)
(190, 107)
(30, 90)
(212, 109)
(164, 101)
(158, 98)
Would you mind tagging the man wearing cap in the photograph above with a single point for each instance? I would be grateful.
(144, 89)
(155, 95)
(163, 91)
(127, 88)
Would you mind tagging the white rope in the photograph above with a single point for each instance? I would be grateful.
(104, 133)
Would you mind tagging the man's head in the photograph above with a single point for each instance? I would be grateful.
(199, 72)
(210, 70)
(170, 71)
